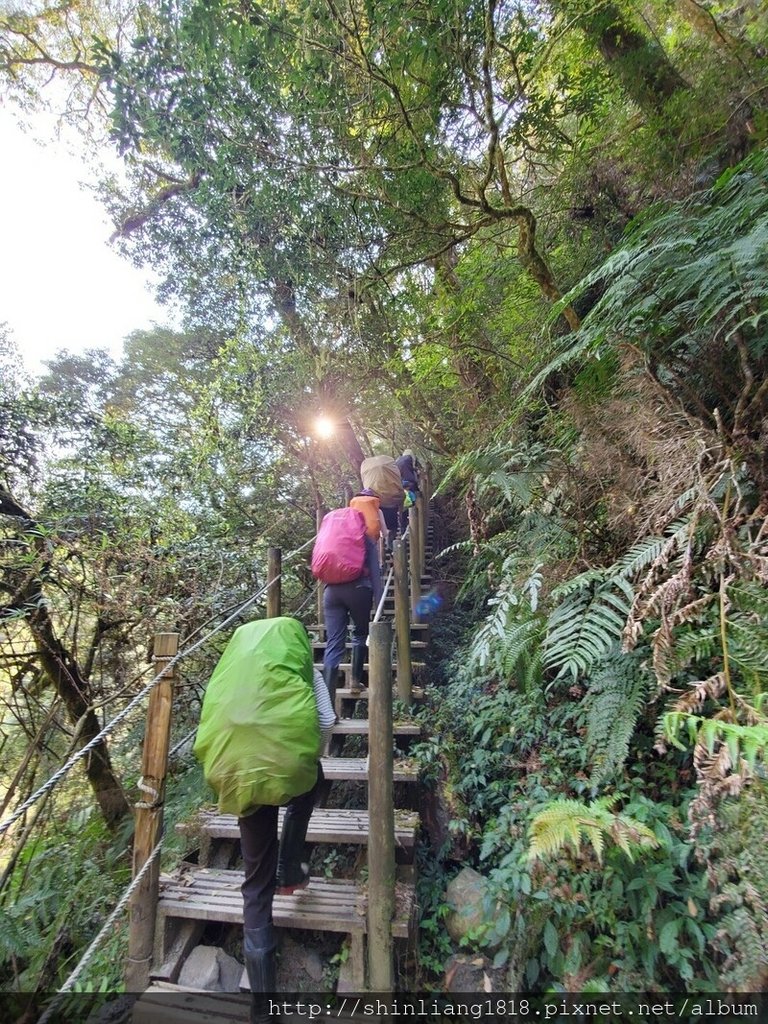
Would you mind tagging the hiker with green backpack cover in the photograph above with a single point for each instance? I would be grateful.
(260, 736)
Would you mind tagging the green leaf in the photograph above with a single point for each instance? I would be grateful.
(668, 937)
(551, 941)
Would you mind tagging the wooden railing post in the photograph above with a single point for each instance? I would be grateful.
(381, 814)
(274, 588)
(320, 613)
(420, 503)
(402, 623)
(414, 536)
(149, 816)
(426, 490)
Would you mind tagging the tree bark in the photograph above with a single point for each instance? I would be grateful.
(64, 673)
(634, 58)
(704, 22)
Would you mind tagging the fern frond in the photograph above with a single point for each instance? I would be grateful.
(510, 637)
(747, 742)
(578, 583)
(564, 822)
(680, 270)
(585, 626)
(615, 700)
(452, 549)
(639, 556)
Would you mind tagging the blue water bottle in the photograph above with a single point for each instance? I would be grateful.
(428, 604)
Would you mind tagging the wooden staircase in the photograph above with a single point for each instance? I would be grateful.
(195, 895)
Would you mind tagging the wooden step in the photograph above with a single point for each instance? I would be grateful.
(326, 905)
(355, 769)
(416, 645)
(327, 825)
(360, 727)
(318, 629)
(164, 1003)
(346, 666)
(345, 693)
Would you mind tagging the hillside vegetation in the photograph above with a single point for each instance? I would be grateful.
(527, 240)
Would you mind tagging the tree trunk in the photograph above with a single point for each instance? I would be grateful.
(64, 673)
(635, 59)
(536, 266)
(704, 22)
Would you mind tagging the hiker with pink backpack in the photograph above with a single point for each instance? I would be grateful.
(346, 560)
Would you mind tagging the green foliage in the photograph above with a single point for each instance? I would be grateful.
(567, 821)
(61, 890)
(737, 859)
(683, 271)
(742, 742)
(615, 699)
(586, 624)
(509, 638)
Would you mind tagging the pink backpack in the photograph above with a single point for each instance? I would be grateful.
(339, 552)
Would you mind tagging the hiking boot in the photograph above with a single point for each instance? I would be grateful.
(292, 874)
(331, 677)
(358, 660)
(260, 963)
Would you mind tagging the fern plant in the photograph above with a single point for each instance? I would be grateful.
(682, 270)
(564, 822)
(587, 623)
(510, 637)
(616, 698)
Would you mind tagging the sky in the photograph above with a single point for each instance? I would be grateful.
(61, 284)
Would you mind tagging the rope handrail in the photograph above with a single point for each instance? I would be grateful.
(380, 606)
(109, 727)
(88, 955)
(384, 591)
(121, 715)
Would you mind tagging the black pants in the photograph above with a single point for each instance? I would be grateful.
(259, 845)
(342, 601)
(391, 516)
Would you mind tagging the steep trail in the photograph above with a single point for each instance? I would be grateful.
(196, 897)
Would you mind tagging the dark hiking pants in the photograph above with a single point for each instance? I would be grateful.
(340, 601)
(259, 845)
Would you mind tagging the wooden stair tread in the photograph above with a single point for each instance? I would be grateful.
(361, 727)
(327, 904)
(355, 769)
(165, 1003)
(327, 825)
(320, 645)
(346, 666)
(320, 627)
(417, 693)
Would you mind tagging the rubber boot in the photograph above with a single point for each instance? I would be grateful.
(259, 947)
(331, 677)
(358, 660)
(292, 874)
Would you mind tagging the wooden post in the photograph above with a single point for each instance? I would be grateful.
(402, 624)
(426, 490)
(274, 588)
(420, 502)
(415, 558)
(381, 814)
(149, 816)
(320, 613)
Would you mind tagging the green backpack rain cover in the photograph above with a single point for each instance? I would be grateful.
(259, 737)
